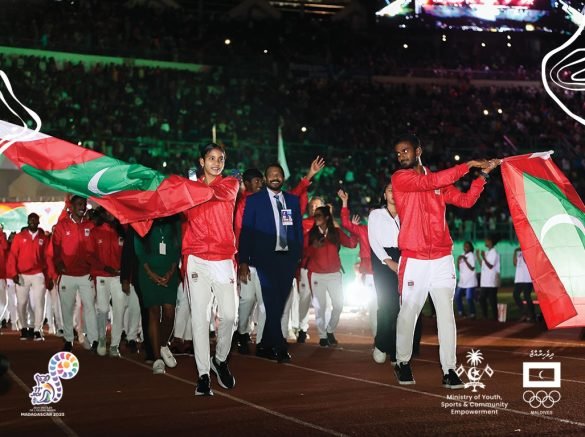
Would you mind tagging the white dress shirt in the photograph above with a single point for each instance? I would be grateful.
(382, 232)
(277, 217)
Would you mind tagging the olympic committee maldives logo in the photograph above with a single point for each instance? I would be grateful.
(540, 376)
(48, 388)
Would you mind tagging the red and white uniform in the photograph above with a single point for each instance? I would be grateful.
(52, 301)
(209, 248)
(105, 248)
(361, 233)
(71, 247)
(324, 266)
(3, 259)
(426, 263)
(27, 259)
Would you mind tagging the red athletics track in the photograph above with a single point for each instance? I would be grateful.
(323, 391)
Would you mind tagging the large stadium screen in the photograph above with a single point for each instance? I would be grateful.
(486, 11)
(481, 15)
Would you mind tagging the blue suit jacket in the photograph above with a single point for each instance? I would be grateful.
(258, 237)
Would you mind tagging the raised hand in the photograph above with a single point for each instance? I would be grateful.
(356, 219)
(316, 166)
(344, 197)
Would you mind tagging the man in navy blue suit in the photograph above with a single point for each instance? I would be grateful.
(272, 241)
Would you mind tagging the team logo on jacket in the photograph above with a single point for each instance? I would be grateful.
(68, 233)
(194, 276)
(411, 283)
(41, 242)
(86, 230)
(100, 241)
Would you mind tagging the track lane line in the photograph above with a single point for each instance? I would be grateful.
(251, 404)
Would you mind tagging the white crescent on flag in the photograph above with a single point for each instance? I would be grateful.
(93, 183)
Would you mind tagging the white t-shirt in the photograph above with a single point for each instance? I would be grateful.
(522, 273)
(467, 276)
(489, 277)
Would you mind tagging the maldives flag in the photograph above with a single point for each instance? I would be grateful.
(549, 217)
(131, 192)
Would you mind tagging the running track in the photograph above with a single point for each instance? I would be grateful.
(323, 391)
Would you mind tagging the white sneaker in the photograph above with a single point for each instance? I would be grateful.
(115, 352)
(158, 367)
(101, 349)
(292, 336)
(167, 357)
(85, 342)
(379, 356)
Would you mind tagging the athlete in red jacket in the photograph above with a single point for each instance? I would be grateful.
(426, 263)
(105, 247)
(361, 233)
(27, 266)
(208, 250)
(324, 266)
(72, 261)
(3, 260)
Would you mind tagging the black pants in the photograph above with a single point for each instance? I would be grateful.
(276, 282)
(522, 290)
(489, 295)
(386, 283)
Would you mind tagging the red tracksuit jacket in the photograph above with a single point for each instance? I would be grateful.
(105, 249)
(421, 200)
(361, 232)
(325, 259)
(27, 255)
(71, 246)
(209, 232)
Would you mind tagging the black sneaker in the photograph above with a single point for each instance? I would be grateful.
(68, 347)
(4, 323)
(132, 346)
(302, 336)
(452, 381)
(38, 336)
(324, 342)
(203, 386)
(331, 339)
(94, 347)
(243, 343)
(224, 377)
(30, 333)
(404, 374)
(24, 334)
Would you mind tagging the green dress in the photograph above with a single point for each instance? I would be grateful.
(160, 249)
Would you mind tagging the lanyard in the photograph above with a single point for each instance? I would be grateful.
(393, 218)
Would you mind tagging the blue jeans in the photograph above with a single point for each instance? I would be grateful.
(469, 295)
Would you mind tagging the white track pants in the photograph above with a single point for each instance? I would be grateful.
(250, 295)
(304, 300)
(31, 291)
(183, 328)
(418, 278)
(53, 310)
(110, 288)
(69, 287)
(323, 284)
(207, 279)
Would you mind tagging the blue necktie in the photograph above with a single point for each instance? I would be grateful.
(282, 241)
